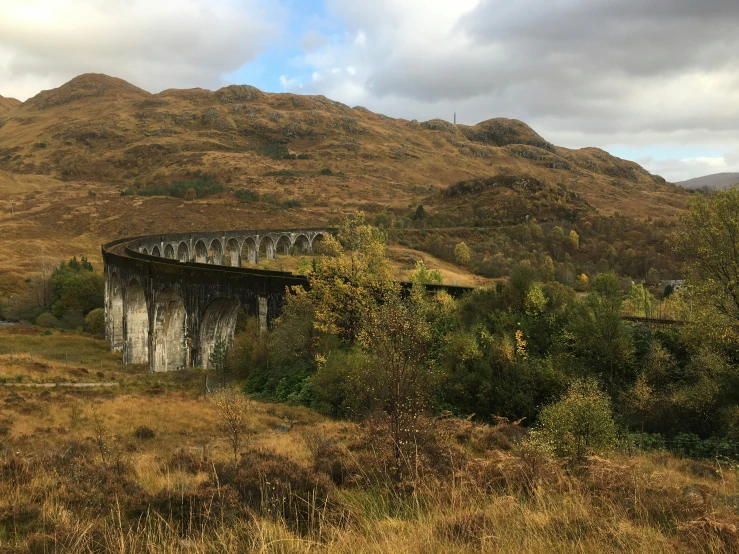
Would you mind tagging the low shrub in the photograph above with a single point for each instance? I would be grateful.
(144, 433)
(275, 486)
(48, 320)
(95, 322)
(275, 150)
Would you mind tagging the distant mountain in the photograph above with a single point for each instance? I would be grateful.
(715, 181)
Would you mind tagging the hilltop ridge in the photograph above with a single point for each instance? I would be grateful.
(8, 104)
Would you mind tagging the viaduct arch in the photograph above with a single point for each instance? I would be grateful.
(170, 298)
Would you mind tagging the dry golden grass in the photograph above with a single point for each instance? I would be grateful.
(167, 467)
(33, 355)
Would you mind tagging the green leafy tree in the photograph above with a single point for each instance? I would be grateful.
(601, 338)
(535, 302)
(547, 270)
(219, 362)
(521, 280)
(581, 423)
(652, 277)
(75, 287)
(640, 301)
(707, 243)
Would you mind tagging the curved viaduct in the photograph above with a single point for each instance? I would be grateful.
(170, 298)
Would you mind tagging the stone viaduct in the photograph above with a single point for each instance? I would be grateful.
(169, 298)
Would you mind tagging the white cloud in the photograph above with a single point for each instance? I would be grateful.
(153, 44)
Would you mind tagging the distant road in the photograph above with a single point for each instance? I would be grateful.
(52, 385)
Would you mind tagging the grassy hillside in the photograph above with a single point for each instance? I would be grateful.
(67, 154)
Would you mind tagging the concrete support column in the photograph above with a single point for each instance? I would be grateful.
(262, 307)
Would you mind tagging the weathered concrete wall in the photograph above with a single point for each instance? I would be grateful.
(168, 312)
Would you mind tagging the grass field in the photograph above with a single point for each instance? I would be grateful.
(145, 466)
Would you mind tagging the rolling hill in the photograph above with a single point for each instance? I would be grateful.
(714, 181)
(68, 154)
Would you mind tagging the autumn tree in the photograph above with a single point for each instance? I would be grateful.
(462, 254)
(581, 423)
(352, 275)
(574, 239)
(231, 412)
(397, 336)
(424, 275)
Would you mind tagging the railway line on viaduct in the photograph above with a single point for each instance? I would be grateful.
(170, 298)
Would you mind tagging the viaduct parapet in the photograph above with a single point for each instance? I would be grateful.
(170, 298)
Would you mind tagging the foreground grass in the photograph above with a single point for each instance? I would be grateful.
(143, 467)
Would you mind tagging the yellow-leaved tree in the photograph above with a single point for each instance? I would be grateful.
(351, 277)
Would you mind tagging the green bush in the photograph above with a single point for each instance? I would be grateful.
(275, 151)
(47, 320)
(203, 185)
(75, 287)
(95, 322)
(246, 195)
(581, 423)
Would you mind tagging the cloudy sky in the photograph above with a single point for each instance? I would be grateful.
(656, 81)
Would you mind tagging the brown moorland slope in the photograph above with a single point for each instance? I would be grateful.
(66, 154)
(8, 104)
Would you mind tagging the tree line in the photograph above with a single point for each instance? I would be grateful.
(358, 346)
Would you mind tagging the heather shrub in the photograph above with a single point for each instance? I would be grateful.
(276, 486)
